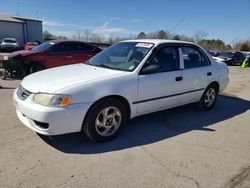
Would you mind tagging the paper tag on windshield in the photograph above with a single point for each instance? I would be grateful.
(144, 45)
(131, 67)
(51, 43)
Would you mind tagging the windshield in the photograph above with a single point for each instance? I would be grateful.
(125, 56)
(226, 54)
(43, 46)
(9, 40)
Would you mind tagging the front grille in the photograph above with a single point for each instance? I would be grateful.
(23, 93)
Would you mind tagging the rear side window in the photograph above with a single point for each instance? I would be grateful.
(83, 47)
(63, 48)
(71, 48)
(167, 58)
(193, 58)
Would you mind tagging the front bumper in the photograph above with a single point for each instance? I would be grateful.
(61, 120)
(10, 48)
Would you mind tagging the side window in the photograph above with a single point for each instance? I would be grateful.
(237, 54)
(85, 48)
(193, 58)
(62, 48)
(167, 58)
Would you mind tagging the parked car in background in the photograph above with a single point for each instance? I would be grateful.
(214, 53)
(128, 79)
(247, 54)
(9, 44)
(232, 57)
(30, 45)
(53, 54)
(218, 59)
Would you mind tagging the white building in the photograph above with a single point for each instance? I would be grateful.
(21, 28)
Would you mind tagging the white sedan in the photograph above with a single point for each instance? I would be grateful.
(128, 79)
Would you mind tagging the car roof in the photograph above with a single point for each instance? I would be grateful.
(62, 41)
(159, 41)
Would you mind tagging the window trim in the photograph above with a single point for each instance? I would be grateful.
(73, 52)
(197, 48)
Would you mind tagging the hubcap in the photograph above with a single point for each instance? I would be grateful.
(108, 121)
(210, 97)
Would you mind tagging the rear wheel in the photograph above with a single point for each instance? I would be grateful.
(105, 120)
(208, 98)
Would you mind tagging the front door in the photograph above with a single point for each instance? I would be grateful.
(60, 54)
(162, 89)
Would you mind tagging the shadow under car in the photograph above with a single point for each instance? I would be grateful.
(154, 127)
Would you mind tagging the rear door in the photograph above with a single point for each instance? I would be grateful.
(162, 89)
(82, 52)
(197, 73)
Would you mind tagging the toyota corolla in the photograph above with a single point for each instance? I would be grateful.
(128, 79)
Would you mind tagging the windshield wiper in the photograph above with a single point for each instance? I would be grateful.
(106, 66)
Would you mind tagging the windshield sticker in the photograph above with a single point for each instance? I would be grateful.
(131, 67)
(51, 43)
(144, 45)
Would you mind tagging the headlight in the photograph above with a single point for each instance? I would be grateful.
(52, 100)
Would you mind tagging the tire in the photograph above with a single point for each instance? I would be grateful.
(3, 74)
(208, 98)
(100, 129)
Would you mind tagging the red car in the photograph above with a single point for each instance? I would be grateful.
(30, 45)
(53, 54)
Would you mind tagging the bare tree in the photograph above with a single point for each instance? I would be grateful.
(87, 33)
(236, 44)
(199, 35)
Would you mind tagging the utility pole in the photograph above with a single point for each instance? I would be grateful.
(18, 11)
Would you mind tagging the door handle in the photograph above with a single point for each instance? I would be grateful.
(68, 57)
(180, 78)
(209, 74)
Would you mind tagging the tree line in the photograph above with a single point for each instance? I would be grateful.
(199, 37)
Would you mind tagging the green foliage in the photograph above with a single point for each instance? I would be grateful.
(214, 44)
(48, 36)
(161, 34)
(176, 37)
(141, 35)
(245, 47)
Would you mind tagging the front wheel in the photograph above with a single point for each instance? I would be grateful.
(3, 74)
(105, 120)
(208, 98)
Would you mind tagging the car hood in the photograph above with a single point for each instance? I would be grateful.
(23, 53)
(55, 79)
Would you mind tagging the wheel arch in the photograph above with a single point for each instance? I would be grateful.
(120, 98)
(216, 84)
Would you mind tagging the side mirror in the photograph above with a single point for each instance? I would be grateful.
(150, 69)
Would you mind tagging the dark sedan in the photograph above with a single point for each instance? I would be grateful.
(232, 57)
